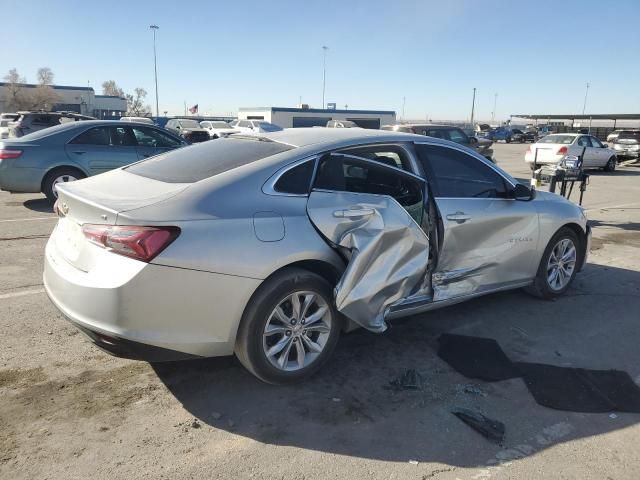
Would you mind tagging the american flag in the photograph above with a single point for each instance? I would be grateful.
(194, 109)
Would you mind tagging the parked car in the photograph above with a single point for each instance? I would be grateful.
(147, 120)
(341, 124)
(40, 161)
(328, 229)
(188, 129)
(447, 132)
(5, 119)
(29, 122)
(627, 145)
(253, 127)
(500, 133)
(521, 136)
(611, 138)
(553, 148)
(218, 129)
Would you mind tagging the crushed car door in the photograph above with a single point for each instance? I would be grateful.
(372, 213)
(489, 239)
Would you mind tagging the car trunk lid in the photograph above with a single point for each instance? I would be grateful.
(99, 200)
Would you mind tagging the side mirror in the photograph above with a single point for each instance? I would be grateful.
(473, 141)
(523, 193)
(605, 145)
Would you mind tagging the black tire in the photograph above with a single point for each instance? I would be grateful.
(47, 183)
(249, 340)
(507, 140)
(540, 287)
(611, 165)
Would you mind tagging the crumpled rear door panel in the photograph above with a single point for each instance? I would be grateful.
(387, 252)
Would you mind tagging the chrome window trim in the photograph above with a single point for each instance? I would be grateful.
(473, 154)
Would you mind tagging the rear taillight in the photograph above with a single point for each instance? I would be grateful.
(6, 154)
(141, 243)
(529, 150)
(562, 151)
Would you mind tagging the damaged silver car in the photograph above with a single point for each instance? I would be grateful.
(270, 246)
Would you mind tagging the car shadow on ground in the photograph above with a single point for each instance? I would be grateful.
(351, 409)
(41, 205)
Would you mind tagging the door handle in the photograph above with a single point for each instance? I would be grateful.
(79, 153)
(146, 155)
(459, 217)
(354, 213)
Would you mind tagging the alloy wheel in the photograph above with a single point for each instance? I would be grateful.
(561, 264)
(297, 331)
(61, 179)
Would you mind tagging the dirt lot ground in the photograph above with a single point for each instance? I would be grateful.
(67, 410)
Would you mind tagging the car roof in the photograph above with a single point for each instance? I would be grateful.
(302, 137)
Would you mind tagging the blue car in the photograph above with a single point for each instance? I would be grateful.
(39, 161)
(501, 133)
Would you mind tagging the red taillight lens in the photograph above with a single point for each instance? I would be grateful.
(529, 149)
(6, 154)
(562, 151)
(141, 243)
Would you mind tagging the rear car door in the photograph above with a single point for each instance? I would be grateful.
(372, 214)
(488, 239)
(100, 149)
(151, 141)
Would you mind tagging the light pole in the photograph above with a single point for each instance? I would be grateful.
(473, 105)
(495, 100)
(155, 66)
(324, 71)
(404, 99)
(584, 106)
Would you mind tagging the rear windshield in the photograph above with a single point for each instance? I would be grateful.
(562, 139)
(189, 124)
(195, 163)
(629, 135)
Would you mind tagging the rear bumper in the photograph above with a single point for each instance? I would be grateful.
(20, 179)
(146, 311)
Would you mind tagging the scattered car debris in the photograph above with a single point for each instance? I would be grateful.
(485, 426)
(409, 380)
(471, 389)
(414, 462)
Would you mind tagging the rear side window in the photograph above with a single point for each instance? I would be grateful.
(195, 163)
(93, 136)
(296, 180)
(458, 136)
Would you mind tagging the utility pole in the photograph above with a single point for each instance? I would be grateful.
(495, 100)
(324, 71)
(404, 99)
(155, 66)
(473, 105)
(584, 106)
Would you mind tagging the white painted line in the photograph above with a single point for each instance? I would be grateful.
(21, 294)
(613, 206)
(29, 219)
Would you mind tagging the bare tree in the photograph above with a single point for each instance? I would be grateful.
(16, 97)
(110, 87)
(45, 76)
(135, 104)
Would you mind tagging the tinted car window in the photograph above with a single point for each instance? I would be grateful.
(562, 139)
(296, 180)
(93, 136)
(629, 136)
(346, 174)
(457, 136)
(192, 164)
(455, 174)
(595, 142)
(150, 137)
(435, 133)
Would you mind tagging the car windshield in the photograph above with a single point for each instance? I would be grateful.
(189, 124)
(561, 139)
(195, 163)
(629, 136)
(219, 125)
(269, 127)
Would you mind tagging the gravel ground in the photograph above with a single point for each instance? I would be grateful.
(67, 410)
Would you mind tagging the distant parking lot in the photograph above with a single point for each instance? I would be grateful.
(70, 411)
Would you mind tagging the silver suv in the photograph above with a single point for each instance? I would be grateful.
(29, 122)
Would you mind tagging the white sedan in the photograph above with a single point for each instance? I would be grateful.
(553, 148)
(218, 128)
(252, 127)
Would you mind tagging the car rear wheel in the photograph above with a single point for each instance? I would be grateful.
(60, 175)
(611, 165)
(558, 266)
(289, 328)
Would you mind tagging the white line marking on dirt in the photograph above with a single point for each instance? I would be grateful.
(612, 206)
(21, 294)
(29, 219)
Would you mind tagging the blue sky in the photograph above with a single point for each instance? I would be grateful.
(537, 55)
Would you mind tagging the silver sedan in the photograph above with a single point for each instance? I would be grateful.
(270, 246)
